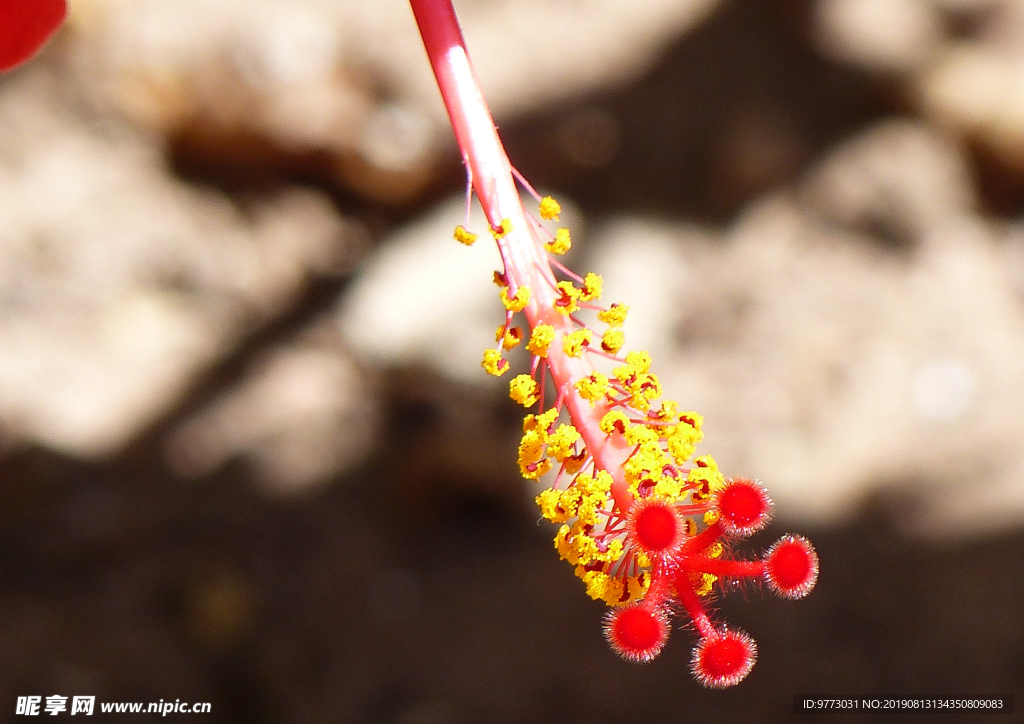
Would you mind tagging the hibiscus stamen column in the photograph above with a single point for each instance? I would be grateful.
(648, 527)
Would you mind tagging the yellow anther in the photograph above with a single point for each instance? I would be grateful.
(645, 389)
(541, 423)
(549, 209)
(706, 477)
(614, 316)
(463, 236)
(561, 243)
(547, 501)
(593, 285)
(593, 387)
(499, 232)
(669, 487)
(561, 442)
(518, 301)
(681, 441)
(636, 586)
(509, 339)
(693, 419)
(573, 463)
(575, 342)
(645, 464)
(532, 471)
(603, 482)
(569, 501)
(494, 363)
(639, 434)
(668, 411)
(602, 587)
(531, 447)
(540, 339)
(612, 340)
(638, 362)
(707, 582)
(563, 546)
(523, 389)
(615, 421)
(568, 298)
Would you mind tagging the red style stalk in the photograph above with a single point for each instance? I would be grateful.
(647, 528)
(526, 261)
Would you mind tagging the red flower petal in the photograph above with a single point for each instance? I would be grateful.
(25, 25)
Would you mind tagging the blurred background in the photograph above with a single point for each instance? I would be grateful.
(247, 452)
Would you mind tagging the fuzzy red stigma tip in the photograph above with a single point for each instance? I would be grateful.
(636, 632)
(744, 506)
(723, 659)
(791, 567)
(26, 27)
(655, 526)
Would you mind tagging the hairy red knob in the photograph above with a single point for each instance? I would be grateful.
(744, 506)
(655, 526)
(636, 632)
(791, 567)
(723, 659)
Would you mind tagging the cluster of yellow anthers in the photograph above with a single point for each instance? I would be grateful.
(593, 533)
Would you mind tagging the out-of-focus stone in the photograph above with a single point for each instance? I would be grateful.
(978, 91)
(890, 36)
(302, 415)
(118, 283)
(970, 82)
(898, 180)
(350, 77)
